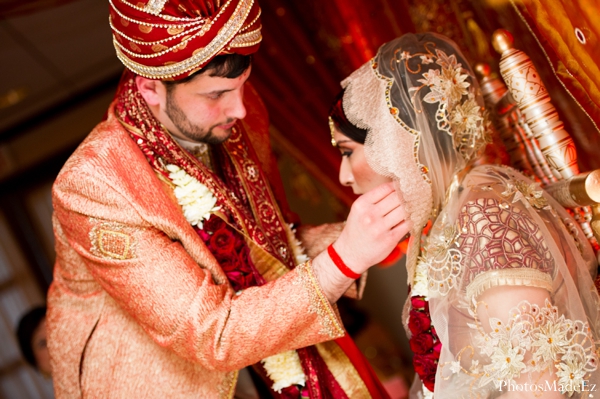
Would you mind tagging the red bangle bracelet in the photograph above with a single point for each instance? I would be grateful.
(340, 263)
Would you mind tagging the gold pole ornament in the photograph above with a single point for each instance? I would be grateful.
(596, 223)
(523, 149)
(532, 98)
(580, 190)
(557, 146)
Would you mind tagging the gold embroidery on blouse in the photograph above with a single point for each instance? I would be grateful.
(318, 303)
(518, 189)
(112, 240)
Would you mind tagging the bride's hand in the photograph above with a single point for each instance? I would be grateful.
(376, 223)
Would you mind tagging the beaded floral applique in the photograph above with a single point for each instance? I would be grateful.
(463, 120)
(443, 261)
(536, 339)
(515, 190)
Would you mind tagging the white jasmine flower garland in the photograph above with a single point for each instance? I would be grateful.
(198, 203)
(419, 286)
(285, 370)
(297, 247)
(195, 198)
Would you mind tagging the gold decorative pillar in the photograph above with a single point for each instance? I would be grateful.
(595, 222)
(580, 190)
(533, 100)
(523, 149)
(557, 146)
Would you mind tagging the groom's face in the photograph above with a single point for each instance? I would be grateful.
(206, 108)
(354, 169)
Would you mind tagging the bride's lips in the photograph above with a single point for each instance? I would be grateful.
(227, 126)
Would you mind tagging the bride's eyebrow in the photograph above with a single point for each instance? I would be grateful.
(337, 143)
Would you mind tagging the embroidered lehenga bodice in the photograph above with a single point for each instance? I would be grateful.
(511, 296)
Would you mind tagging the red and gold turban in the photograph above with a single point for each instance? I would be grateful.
(171, 39)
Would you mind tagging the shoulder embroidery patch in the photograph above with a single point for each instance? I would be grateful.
(113, 241)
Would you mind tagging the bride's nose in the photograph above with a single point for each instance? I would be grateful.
(346, 177)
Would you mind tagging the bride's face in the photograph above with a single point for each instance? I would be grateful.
(354, 169)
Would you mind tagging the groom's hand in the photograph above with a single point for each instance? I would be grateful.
(376, 223)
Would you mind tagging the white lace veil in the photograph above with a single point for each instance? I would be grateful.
(420, 102)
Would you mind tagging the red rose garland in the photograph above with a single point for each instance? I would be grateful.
(232, 253)
(424, 341)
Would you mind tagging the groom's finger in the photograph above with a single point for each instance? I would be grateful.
(395, 217)
(388, 204)
(379, 193)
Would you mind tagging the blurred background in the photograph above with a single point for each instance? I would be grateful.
(58, 73)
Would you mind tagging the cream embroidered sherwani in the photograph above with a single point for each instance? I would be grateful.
(138, 306)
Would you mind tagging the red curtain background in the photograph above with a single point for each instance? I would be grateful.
(310, 46)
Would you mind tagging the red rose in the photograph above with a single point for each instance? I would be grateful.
(421, 343)
(240, 280)
(204, 235)
(426, 367)
(239, 242)
(229, 263)
(244, 258)
(213, 224)
(419, 302)
(222, 242)
(418, 322)
(437, 348)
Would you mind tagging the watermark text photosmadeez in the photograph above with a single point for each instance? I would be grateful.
(511, 386)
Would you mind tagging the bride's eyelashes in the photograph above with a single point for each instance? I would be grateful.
(346, 153)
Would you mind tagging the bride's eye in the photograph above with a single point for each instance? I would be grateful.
(346, 153)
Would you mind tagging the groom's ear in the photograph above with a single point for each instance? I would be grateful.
(153, 91)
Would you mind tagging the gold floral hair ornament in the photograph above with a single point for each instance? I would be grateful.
(460, 117)
(419, 101)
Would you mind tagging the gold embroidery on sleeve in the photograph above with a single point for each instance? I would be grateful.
(318, 303)
(496, 278)
(112, 241)
(227, 389)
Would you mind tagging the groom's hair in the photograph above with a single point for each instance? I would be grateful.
(343, 124)
(228, 66)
